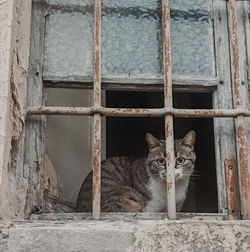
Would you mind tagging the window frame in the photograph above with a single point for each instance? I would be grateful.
(219, 86)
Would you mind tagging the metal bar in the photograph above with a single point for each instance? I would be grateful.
(233, 201)
(133, 112)
(239, 103)
(96, 158)
(168, 102)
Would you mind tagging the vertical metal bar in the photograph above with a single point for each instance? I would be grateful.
(233, 201)
(240, 120)
(168, 101)
(96, 156)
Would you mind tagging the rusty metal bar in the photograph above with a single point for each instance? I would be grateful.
(168, 102)
(133, 112)
(96, 158)
(233, 201)
(239, 104)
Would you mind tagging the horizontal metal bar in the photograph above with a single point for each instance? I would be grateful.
(137, 112)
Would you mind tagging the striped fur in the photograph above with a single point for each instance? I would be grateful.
(140, 185)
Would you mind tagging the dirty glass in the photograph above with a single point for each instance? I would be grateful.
(131, 38)
(69, 41)
(70, 2)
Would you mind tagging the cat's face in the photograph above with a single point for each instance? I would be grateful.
(184, 157)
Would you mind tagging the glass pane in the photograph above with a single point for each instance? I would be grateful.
(70, 2)
(69, 43)
(141, 4)
(132, 42)
(192, 38)
(68, 144)
(131, 38)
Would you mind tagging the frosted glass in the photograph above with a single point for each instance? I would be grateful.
(70, 2)
(132, 41)
(142, 4)
(131, 38)
(189, 5)
(192, 43)
(130, 46)
(69, 44)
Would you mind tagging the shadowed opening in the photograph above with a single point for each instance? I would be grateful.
(126, 136)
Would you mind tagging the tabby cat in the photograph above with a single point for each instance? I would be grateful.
(140, 185)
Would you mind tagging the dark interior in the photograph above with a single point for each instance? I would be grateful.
(126, 136)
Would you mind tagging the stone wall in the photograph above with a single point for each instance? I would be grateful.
(119, 236)
(15, 16)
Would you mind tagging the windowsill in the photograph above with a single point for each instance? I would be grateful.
(147, 235)
(127, 216)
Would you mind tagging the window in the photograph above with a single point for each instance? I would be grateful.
(132, 67)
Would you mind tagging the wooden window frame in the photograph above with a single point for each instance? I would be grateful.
(220, 86)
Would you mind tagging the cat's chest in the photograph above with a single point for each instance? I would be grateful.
(159, 197)
(158, 202)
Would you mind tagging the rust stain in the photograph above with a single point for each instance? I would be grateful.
(170, 183)
(133, 110)
(167, 53)
(167, 133)
(185, 113)
(168, 129)
(243, 160)
(205, 112)
(97, 98)
(238, 98)
(233, 194)
(97, 53)
(168, 159)
(97, 160)
(235, 48)
(97, 116)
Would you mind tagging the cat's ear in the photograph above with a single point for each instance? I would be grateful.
(152, 141)
(189, 139)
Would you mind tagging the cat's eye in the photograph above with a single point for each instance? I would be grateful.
(161, 161)
(180, 160)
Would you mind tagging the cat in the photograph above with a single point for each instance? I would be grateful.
(134, 186)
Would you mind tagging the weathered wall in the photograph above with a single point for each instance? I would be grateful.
(126, 236)
(15, 16)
